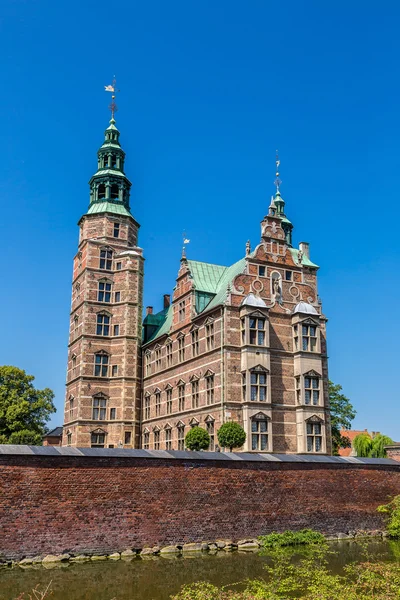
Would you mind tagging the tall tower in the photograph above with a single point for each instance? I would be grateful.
(102, 406)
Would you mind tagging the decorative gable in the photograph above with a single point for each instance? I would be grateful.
(209, 373)
(312, 373)
(314, 419)
(259, 369)
(260, 416)
(209, 419)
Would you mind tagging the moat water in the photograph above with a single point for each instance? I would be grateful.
(159, 578)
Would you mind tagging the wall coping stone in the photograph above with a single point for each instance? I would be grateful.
(68, 451)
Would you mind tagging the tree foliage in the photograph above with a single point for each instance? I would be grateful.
(197, 439)
(342, 414)
(366, 446)
(392, 511)
(231, 435)
(24, 410)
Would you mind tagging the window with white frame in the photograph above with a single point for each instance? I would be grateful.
(311, 390)
(314, 436)
(76, 326)
(181, 436)
(257, 331)
(146, 440)
(308, 337)
(298, 390)
(69, 439)
(195, 393)
(103, 324)
(259, 434)
(210, 428)
(147, 363)
(106, 259)
(169, 400)
(210, 340)
(168, 438)
(210, 389)
(158, 359)
(99, 408)
(168, 348)
(244, 386)
(156, 439)
(181, 348)
(258, 386)
(181, 396)
(158, 403)
(147, 406)
(97, 440)
(101, 362)
(181, 310)
(195, 342)
(71, 406)
(104, 291)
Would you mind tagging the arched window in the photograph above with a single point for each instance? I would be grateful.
(101, 191)
(114, 192)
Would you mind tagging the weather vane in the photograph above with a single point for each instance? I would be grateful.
(185, 242)
(113, 89)
(277, 179)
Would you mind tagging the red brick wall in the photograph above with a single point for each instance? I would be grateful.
(393, 453)
(51, 504)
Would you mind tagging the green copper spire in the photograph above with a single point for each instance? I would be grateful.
(279, 205)
(109, 186)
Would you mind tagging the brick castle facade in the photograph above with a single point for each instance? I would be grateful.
(245, 343)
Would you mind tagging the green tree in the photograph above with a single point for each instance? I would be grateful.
(342, 414)
(197, 439)
(362, 444)
(231, 435)
(378, 445)
(24, 410)
(366, 446)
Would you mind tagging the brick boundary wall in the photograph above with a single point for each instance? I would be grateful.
(56, 500)
(393, 451)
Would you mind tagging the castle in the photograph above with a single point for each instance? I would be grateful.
(244, 343)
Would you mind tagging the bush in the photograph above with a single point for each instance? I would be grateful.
(392, 510)
(231, 435)
(291, 538)
(197, 439)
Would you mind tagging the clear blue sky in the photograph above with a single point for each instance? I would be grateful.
(209, 90)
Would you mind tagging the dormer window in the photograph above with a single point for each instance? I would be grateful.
(309, 337)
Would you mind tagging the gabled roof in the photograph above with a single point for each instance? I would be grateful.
(57, 432)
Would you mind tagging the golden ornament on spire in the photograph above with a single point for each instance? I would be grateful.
(113, 89)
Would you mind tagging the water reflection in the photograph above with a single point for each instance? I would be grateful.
(158, 578)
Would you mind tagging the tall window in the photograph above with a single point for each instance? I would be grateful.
(314, 437)
(210, 389)
(116, 230)
(101, 190)
(147, 407)
(106, 259)
(146, 440)
(181, 397)
(128, 438)
(71, 406)
(195, 393)
(147, 362)
(103, 325)
(97, 440)
(76, 325)
(113, 414)
(99, 408)
(181, 310)
(117, 296)
(257, 331)
(158, 404)
(211, 432)
(169, 354)
(158, 359)
(210, 336)
(243, 329)
(181, 437)
(169, 401)
(309, 337)
(258, 386)
(259, 434)
(195, 342)
(156, 440)
(101, 364)
(261, 271)
(168, 439)
(244, 387)
(69, 439)
(181, 348)
(116, 329)
(298, 390)
(311, 390)
(104, 292)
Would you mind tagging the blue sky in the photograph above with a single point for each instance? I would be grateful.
(208, 92)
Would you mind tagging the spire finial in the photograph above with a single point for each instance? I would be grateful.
(277, 179)
(113, 89)
(185, 242)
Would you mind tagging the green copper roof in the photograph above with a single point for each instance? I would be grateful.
(109, 207)
(163, 319)
(205, 275)
(304, 261)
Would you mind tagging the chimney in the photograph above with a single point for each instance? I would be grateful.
(305, 248)
(149, 310)
(167, 300)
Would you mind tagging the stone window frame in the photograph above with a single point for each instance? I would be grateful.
(103, 325)
(99, 406)
(157, 395)
(246, 332)
(181, 435)
(194, 422)
(147, 406)
(168, 398)
(146, 439)
(181, 310)
(71, 402)
(156, 436)
(116, 229)
(195, 341)
(257, 432)
(101, 367)
(209, 376)
(300, 383)
(169, 352)
(247, 384)
(158, 357)
(181, 385)
(181, 347)
(75, 326)
(210, 428)
(195, 390)
(168, 436)
(147, 362)
(98, 435)
(299, 337)
(69, 437)
(209, 326)
(106, 256)
(314, 435)
(104, 295)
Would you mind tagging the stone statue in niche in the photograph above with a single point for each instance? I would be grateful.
(300, 257)
(276, 288)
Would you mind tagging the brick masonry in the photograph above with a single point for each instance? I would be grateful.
(62, 499)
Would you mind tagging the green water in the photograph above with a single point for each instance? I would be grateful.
(158, 578)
